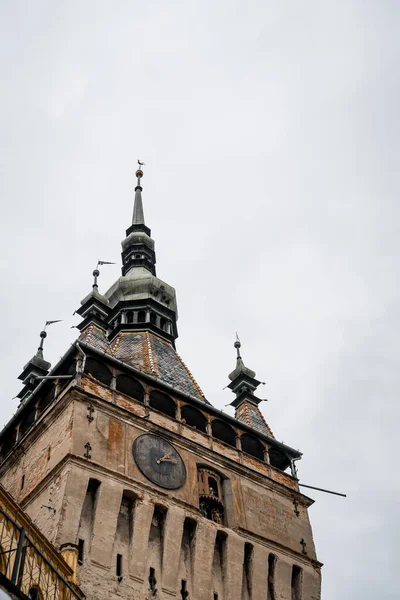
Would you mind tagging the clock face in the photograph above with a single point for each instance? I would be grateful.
(158, 460)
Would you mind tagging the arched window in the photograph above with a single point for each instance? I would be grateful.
(153, 318)
(46, 397)
(98, 370)
(27, 420)
(193, 417)
(251, 445)
(8, 443)
(130, 386)
(223, 432)
(163, 324)
(163, 403)
(278, 459)
(141, 316)
(129, 316)
(210, 495)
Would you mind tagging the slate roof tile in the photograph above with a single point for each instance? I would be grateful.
(147, 352)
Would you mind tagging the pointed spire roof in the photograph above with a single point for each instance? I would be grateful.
(138, 214)
(138, 246)
(94, 307)
(243, 384)
(36, 367)
(241, 369)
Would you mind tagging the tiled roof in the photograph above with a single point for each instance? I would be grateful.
(251, 415)
(148, 353)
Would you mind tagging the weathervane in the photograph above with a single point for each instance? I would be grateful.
(96, 272)
(43, 335)
(139, 173)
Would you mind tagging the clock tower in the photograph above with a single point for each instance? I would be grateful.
(150, 491)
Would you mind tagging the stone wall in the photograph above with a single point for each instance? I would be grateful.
(108, 504)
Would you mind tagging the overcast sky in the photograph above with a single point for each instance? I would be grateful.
(271, 140)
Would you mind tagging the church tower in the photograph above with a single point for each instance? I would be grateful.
(148, 489)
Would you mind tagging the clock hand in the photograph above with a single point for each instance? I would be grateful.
(165, 457)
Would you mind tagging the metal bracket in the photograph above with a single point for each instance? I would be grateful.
(296, 507)
(88, 449)
(49, 507)
(89, 417)
(303, 543)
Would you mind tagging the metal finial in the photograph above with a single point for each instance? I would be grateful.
(43, 336)
(237, 345)
(96, 272)
(139, 172)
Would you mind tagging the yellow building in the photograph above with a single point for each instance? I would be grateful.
(30, 566)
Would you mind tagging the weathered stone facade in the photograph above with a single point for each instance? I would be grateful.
(106, 502)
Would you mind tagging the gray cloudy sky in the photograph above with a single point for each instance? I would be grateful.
(271, 137)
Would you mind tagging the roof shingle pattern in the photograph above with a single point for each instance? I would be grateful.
(148, 353)
(251, 415)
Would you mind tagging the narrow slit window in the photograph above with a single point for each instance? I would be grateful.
(296, 583)
(81, 545)
(152, 581)
(215, 596)
(119, 566)
(184, 592)
(271, 577)
(22, 482)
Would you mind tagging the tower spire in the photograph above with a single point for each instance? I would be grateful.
(36, 367)
(138, 246)
(243, 385)
(138, 214)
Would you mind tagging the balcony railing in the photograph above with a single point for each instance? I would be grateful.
(28, 564)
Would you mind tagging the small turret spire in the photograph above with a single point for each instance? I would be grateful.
(36, 367)
(138, 214)
(243, 385)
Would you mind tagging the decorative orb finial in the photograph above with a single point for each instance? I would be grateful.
(237, 343)
(43, 334)
(139, 172)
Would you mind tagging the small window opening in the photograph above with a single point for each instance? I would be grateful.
(152, 581)
(141, 316)
(22, 482)
(119, 567)
(212, 487)
(129, 316)
(163, 403)
(215, 596)
(184, 592)
(153, 318)
(194, 418)
(271, 577)
(210, 495)
(163, 324)
(48, 453)
(81, 545)
(138, 256)
(296, 583)
(247, 571)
